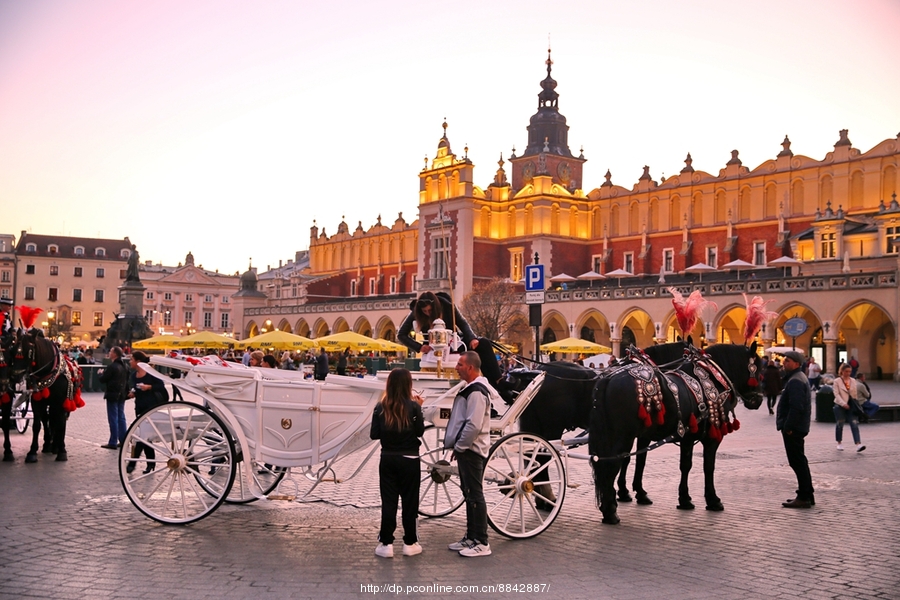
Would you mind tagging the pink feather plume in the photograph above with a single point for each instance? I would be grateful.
(687, 310)
(756, 316)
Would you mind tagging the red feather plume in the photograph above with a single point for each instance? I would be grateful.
(29, 315)
(756, 316)
(2, 319)
(687, 310)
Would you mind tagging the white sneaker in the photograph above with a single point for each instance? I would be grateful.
(860, 447)
(461, 544)
(384, 551)
(840, 446)
(412, 549)
(476, 549)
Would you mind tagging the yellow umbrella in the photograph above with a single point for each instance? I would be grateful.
(205, 339)
(575, 345)
(280, 340)
(156, 343)
(389, 346)
(338, 341)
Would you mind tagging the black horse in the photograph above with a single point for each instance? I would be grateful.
(55, 384)
(708, 386)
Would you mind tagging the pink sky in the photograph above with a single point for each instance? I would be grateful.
(225, 128)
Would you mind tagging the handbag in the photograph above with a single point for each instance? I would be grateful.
(856, 408)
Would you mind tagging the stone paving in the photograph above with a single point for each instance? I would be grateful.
(69, 531)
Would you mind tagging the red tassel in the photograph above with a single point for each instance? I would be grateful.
(46, 393)
(736, 424)
(723, 429)
(730, 427)
(69, 405)
(78, 401)
(643, 416)
(715, 434)
(692, 423)
(4, 399)
(753, 382)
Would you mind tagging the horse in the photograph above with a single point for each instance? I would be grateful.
(55, 384)
(688, 404)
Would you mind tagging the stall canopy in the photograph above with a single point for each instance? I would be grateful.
(205, 339)
(279, 340)
(574, 345)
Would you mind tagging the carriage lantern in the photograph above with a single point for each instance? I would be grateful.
(439, 337)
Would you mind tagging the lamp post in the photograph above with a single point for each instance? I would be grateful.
(51, 318)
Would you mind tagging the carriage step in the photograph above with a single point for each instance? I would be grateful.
(284, 497)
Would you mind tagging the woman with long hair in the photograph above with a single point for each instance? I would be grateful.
(846, 389)
(398, 423)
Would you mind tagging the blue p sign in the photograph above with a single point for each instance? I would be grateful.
(534, 278)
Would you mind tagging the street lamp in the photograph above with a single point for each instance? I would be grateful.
(51, 317)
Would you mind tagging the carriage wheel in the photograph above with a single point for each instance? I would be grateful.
(524, 485)
(439, 490)
(193, 470)
(21, 414)
(265, 478)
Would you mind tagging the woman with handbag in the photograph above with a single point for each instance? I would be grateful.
(148, 392)
(848, 398)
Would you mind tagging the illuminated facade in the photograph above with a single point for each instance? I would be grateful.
(838, 214)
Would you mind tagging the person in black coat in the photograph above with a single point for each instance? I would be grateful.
(792, 420)
(397, 421)
(772, 383)
(115, 376)
(321, 371)
(342, 361)
(429, 307)
(148, 393)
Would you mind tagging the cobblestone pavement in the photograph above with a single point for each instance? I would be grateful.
(70, 532)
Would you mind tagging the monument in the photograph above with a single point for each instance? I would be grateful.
(129, 325)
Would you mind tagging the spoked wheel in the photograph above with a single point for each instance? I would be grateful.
(193, 468)
(524, 485)
(21, 415)
(264, 479)
(439, 490)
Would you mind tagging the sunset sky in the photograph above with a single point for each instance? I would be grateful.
(224, 128)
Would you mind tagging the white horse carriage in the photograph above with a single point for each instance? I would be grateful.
(269, 434)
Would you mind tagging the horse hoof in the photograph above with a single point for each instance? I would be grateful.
(715, 507)
(8, 457)
(31, 457)
(62, 456)
(643, 499)
(686, 506)
(624, 496)
(47, 450)
(613, 520)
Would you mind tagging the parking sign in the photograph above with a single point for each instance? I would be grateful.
(534, 278)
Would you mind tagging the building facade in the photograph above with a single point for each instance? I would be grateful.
(838, 215)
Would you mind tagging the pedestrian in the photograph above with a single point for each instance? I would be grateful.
(772, 383)
(814, 373)
(468, 435)
(245, 358)
(792, 420)
(148, 392)
(256, 359)
(115, 376)
(269, 362)
(854, 366)
(397, 421)
(321, 365)
(287, 363)
(343, 358)
(846, 391)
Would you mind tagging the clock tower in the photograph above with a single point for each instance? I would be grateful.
(548, 151)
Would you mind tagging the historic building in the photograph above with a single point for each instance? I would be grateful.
(7, 265)
(838, 215)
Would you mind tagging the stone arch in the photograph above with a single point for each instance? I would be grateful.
(729, 324)
(252, 330)
(301, 327)
(596, 322)
(285, 326)
(340, 325)
(554, 327)
(386, 329)
(640, 324)
(866, 331)
(672, 333)
(363, 327)
(320, 328)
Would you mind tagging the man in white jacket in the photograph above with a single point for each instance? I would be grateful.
(468, 435)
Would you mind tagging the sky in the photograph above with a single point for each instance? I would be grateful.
(226, 128)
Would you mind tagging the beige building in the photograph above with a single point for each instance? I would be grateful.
(7, 265)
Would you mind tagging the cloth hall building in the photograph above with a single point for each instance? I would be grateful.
(838, 215)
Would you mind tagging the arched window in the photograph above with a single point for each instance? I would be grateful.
(614, 221)
(653, 209)
(826, 191)
(744, 205)
(856, 190)
(675, 213)
(485, 222)
(511, 222)
(888, 183)
(720, 211)
(796, 207)
(529, 219)
(634, 219)
(554, 220)
(697, 210)
(770, 203)
(573, 221)
(598, 223)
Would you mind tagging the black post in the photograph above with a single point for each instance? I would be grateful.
(537, 326)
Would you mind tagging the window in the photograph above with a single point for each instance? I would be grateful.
(76, 317)
(668, 261)
(167, 296)
(54, 270)
(123, 273)
(596, 261)
(516, 264)
(371, 286)
(79, 250)
(29, 292)
(393, 284)
(440, 256)
(759, 254)
(5, 277)
(207, 298)
(188, 297)
(53, 294)
(78, 271)
(207, 320)
(188, 317)
(53, 249)
(225, 324)
(352, 287)
(101, 272)
(98, 295)
(100, 252)
(98, 319)
(628, 261)
(148, 314)
(4, 293)
(829, 244)
(124, 253)
(893, 240)
(415, 279)
(167, 318)
(149, 295)
(29, 269)
(712, 256)
(76, 295)
(30, 247)
(224, 299)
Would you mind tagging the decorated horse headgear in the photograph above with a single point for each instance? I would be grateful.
(687, 310)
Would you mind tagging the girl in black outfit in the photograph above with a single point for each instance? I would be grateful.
(398, 423)
(148, 392)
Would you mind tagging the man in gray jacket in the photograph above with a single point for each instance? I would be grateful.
(792, 420)
(468, 435)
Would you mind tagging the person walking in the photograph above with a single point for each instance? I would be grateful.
(148, 393)
(115, 376)
(792, 420)
(772, 382)
(397, 421)
(468, 435)
(847, 390)
(343, 358)
(321, 371)
(813, 373)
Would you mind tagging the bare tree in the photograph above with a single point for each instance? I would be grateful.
(495, 311)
